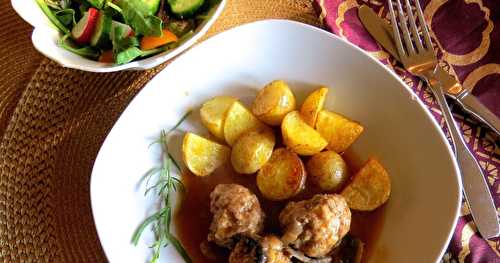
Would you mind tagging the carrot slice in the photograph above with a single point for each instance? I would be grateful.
(150, 42)
(107, 57)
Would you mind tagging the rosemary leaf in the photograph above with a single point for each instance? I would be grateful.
(165, 185)
(175, 162)
(180, 121)
(155, 186)
(145, 223)
(178, 246)
(147, 175)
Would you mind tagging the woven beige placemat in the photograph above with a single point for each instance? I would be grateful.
(51, 138)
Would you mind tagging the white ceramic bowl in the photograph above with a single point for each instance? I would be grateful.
(45, 38)
(423, 208)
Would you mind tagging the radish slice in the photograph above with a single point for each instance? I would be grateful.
(82, 31)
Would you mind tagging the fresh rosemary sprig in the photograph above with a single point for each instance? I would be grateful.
(164, 186)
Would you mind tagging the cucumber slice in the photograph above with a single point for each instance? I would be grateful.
(185, 8)
(101, 31)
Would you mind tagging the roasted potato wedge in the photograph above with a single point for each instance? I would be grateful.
(203, 156)
(300, 137)
(327, 170)
(313, 105)
(283, 176)
(238, 121)
(213, 113)
(252, 150)
(273, 102)
(370, 187)
(339, 131)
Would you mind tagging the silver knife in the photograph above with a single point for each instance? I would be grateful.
(382, 33)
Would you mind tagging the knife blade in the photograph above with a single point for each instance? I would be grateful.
(381, 31)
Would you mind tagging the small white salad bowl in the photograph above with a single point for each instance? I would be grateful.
(45, 38)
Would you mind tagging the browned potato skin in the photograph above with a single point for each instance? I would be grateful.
(213, 114)
(300, 137)
(327, 170)
(202, 156)
(370, 187)
(313, 105)
(252, 150)
(273, 102)
(283, 176)
(339, 131)
(239, 120)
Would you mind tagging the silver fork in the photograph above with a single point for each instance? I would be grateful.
(420, 60)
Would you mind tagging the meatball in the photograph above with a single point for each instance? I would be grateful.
(317, 225)
(247, 250)
(236, 211)
(268, 250)
(273, 250)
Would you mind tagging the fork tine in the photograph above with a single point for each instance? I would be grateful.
(404, 28)
(425, 31)
(413, 27)
(395, 29)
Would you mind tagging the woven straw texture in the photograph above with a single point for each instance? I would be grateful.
(53, 121)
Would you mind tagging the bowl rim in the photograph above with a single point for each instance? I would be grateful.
(41, 25)
(422, 106)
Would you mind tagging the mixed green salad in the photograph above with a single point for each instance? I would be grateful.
(120, 31)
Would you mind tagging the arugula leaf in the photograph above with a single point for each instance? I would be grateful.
(46, 10)
(128, 55)
(86, 51)
(113, 10)
(58, 4)
(121, 40)
(212, 3)
(140, 18)
(114, 7)
(132, 53)
(96, 3)
(65, 4)
(181, 27)
(126, 42)
(124, 47)
(66, 16)
(150, 52)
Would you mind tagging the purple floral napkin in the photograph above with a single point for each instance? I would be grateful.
(466, 34)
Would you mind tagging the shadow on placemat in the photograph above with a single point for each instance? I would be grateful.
(50, 145)
(19, 60)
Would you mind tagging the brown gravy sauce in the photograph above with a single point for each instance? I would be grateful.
(193, 217)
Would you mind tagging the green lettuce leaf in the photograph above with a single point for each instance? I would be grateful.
(127, 55)
(46, 10)
(66, 16)
(121, 41)
(85, 51)
(97, 3)
(139, 17)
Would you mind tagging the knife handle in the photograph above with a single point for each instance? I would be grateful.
(476, 190)
(473, 106)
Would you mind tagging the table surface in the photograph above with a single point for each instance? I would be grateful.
(52, 126)
(53, 121)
